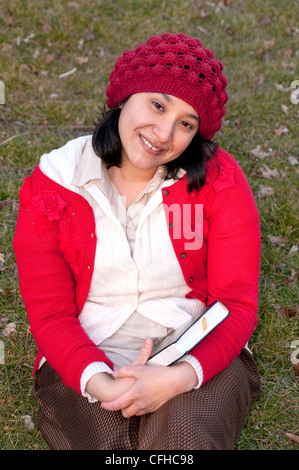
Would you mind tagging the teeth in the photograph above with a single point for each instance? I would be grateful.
(149, 145)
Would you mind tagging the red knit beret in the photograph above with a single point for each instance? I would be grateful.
(177, 65)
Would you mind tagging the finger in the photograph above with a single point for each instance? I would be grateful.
(145, 353)
(124, 372)
(117, 404)
(132, 411)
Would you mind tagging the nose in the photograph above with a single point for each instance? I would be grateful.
(163, 131)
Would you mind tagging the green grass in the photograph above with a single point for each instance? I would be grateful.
(41, 40)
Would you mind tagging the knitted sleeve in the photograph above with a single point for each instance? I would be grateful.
(232, 272)
(48, 266)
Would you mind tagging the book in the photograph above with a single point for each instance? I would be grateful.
(180, 341)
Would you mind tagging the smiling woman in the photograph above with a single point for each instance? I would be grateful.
(111, 239)
(154, 129)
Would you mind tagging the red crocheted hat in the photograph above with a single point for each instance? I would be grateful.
(177, 65)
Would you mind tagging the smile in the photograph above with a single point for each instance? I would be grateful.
(151, 147)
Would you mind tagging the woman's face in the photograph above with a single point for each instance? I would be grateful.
(155, 129)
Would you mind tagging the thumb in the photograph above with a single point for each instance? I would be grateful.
(145, 353)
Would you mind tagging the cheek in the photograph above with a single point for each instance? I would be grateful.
(129, 124)
(183, 143)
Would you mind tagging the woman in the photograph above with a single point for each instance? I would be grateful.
(109, 263)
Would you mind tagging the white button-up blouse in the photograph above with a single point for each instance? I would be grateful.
(137, 288)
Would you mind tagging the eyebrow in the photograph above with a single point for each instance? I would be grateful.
(169, 99)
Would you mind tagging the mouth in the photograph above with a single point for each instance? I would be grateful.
(149, 145)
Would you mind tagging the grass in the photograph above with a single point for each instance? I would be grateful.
(39, 41)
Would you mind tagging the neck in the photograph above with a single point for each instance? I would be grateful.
(128, 172)
(129, 183)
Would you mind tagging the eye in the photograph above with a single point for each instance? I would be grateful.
(158, 106)
(187, 125)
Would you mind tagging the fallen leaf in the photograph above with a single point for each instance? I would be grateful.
(80, 43)
(27, 68)
(268, 43)
(28, 422)
(43, 122)
(288, 312)
(285, 109)
(9, 329)
(293, 437)
(265, 19)
(281, 130)
(74, 5)
(280, 240)
(4, 320)
(49, 58)
(220, 6)
(204, 14)
(259, 153)
(267, 173)
(288, 52)
(287, 65)
(8, 21)
(265, 191)
(100, 52)
(202, 30)
(293, 160)
(280, 266)
(238, 123)
(6, 47)
(88, 35)
(292, 279)
(47, 27)
(293, 250)
(261, 79)
(267, 56)
(82, 60)
(79, 121)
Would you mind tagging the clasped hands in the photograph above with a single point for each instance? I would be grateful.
(138, 388)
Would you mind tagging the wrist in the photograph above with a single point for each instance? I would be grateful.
(187, 378)
(98, 386)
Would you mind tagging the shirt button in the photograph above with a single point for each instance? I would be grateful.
(165, 192)
(191, 279)
(183, 255)
(171, 225)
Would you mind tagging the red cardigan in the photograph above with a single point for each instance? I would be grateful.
(55, 243)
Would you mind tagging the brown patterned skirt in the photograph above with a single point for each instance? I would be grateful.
(211, 417)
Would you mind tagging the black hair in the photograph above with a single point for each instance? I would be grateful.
(107, 145)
